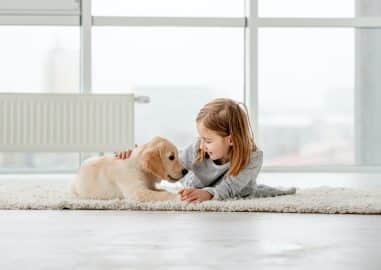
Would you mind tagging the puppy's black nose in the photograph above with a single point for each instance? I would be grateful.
(184, 171)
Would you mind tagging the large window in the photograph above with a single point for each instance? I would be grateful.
(317, 88)
(308, 70)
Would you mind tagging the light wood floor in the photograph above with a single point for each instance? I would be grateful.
(184, 240)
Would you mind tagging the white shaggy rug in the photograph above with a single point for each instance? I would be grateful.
(327, 200)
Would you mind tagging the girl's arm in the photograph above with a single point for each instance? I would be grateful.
(231, 186)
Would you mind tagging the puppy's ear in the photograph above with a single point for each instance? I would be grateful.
(152, 163)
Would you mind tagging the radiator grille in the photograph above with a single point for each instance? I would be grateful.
(66, 122)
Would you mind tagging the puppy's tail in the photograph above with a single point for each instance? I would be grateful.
(267, 191)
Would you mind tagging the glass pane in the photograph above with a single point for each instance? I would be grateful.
(46, 58)
(179, 69)
(40, 161)
(368, 8)
(306, 95)
(39, 59)
(368, 96)
(306, 8)
(169, 8)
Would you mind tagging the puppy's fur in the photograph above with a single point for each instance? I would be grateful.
(134, 178)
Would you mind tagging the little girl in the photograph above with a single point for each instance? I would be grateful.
(224, 161)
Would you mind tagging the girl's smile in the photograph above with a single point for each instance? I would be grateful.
(217, 147)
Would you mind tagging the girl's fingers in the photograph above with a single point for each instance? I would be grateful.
(123, 154)
(190, 196)
(183, 198)
(192, 199)
(188, 191)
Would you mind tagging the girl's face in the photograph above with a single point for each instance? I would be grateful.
(216, 146)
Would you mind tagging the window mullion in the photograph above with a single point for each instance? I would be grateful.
(85, 53)
(251, 65)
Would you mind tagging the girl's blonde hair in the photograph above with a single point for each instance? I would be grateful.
(228, 117)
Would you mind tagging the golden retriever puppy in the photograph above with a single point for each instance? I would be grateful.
(134, 178)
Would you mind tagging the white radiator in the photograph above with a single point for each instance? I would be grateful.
(66, 122)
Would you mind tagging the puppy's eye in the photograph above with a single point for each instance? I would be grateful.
(171, 157)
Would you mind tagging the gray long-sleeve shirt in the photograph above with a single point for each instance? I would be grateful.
(214, 179)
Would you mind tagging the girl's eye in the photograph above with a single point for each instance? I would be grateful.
(171, 157)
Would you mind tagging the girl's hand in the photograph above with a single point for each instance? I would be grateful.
(124, 154)
(194, 195)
